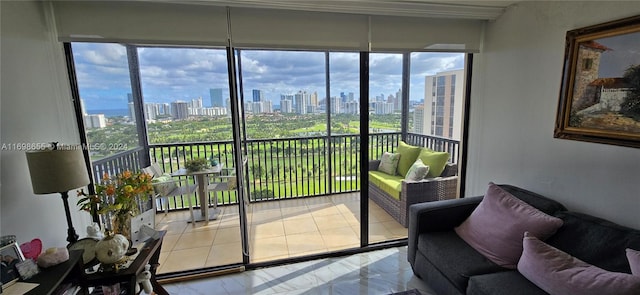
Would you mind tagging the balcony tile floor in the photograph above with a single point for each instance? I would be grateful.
(377, 272)
(277, 230)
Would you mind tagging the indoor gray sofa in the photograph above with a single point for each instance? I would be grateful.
(450, 266)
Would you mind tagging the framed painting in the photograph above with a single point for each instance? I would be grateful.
(600, 93)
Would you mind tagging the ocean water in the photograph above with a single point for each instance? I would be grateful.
(110, 112)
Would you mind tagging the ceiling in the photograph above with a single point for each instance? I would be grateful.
(487, 10)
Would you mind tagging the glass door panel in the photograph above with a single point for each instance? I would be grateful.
(187, 109)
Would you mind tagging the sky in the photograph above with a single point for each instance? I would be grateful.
(624, 52)
(170, 74)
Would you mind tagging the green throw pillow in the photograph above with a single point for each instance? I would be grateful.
(408, 155)
(435, 160)
(418, 171)
(389, 163)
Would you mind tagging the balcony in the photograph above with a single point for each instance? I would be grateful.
(303, 198)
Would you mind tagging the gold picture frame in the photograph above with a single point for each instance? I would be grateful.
(600, 93)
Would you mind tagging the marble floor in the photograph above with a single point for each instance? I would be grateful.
(377, 272)
(277, 230)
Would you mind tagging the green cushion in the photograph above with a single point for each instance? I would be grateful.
(390, 184)
(408, 155)
(435, 160)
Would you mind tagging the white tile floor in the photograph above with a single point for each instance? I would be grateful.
(377, 272)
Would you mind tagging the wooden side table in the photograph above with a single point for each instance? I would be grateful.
(149, 254)
(50, 278)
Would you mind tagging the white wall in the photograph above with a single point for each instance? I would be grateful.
(515, 90)
(35, 108)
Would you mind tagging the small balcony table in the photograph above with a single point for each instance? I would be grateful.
(202, 180)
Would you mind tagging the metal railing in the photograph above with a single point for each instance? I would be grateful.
(282, 168)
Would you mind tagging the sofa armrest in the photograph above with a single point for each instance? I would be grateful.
(373, 165)
(437, 216)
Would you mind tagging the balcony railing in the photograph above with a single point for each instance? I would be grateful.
(278, 168)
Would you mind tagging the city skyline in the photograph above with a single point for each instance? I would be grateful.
(170, 74)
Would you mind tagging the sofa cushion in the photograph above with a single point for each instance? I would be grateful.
(389, 163)
(559, 273)
(408, 155)
(496, 227)
(540, 202)
(634, 261)
(454, 258)
(595, 241)
(435, 160)
(390, 184)
(418, 171)
(502, 283)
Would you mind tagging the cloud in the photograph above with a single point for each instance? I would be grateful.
(172, 73)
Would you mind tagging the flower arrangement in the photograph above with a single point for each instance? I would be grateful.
(119, 196)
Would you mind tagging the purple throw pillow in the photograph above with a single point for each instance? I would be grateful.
(634, 261)
(496, 227)
(559, 273)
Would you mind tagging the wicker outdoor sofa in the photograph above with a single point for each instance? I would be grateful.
(443, 187)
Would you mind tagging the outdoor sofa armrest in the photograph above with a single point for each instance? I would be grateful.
(437, 216)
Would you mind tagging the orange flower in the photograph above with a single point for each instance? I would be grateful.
(110, 190)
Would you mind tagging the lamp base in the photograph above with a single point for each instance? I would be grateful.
(72, 236)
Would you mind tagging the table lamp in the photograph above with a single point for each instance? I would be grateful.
(58, 171)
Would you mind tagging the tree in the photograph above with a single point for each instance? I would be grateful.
(631, 105)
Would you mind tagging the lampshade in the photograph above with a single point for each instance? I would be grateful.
(57, 171)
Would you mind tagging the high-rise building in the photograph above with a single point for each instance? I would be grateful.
(180, 110)
(95, 121)
(313, 99)
(286, 105)
(300, 102)
(418, 119)
(151, 111)
(383, 108)
(352, 107)
(132, 112)
(397, 103)
(335, 105)
(267, 106)
(216, 97)
(164, 109)
(196, 103)
(257, 95)
(443, 104)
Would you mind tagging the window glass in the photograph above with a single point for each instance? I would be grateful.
(102, 73)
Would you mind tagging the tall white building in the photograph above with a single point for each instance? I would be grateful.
(151, 111)
(132, 112)
(383, 108)
(286, 106)
(352, 107)
(443, 100)
(95, 121)
(335, 105)
(300, 102)
(196, 103)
